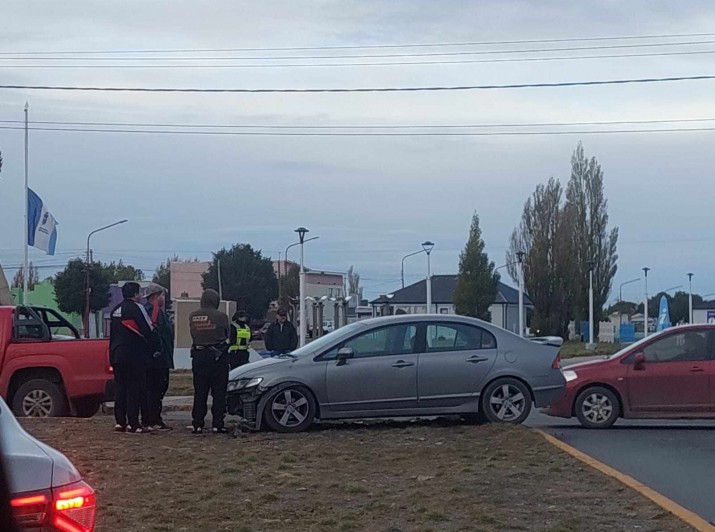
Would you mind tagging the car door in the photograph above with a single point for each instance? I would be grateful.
(380, 377)
(455, 364)
(674, 376)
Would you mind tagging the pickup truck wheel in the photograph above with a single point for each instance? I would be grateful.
(39, 398)
(87, 407)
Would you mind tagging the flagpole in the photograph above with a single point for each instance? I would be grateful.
(27, 235)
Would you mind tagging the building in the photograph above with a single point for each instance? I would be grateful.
(187, 278)
(318, 284)
(413, 300)
(43, 295)
(704, 312)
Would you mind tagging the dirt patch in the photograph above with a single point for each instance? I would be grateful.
(180, 382)
(382, 476)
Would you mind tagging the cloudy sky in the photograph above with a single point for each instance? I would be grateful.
(371, 199)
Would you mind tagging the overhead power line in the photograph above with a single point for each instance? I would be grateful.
(363, 126)
(368, 46)
(363, 89)
(366, 56)
(361, 134)
(368, 64)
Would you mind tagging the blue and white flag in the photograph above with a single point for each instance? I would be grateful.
(41, 225)
(663, 315)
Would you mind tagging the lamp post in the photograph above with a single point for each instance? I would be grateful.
(591, 266)
(620, 298)
(285, 259)
(85, 323)
(301, 235)
(428, 246)
(690, 298)
(520, 260)
(402, 270)
(645, 304)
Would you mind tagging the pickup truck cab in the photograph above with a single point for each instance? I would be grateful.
(46, 369)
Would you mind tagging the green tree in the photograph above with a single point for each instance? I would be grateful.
(678, 306)
(623, 307)
(477, 281)
(543, 237)
(119, 272)
(69, 287)
(593, 245)
(290, 284)
(246, 277)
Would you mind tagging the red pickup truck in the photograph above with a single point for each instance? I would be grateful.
(46, 369)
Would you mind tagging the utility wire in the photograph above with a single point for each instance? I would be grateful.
(363, 89)
(362, 134)
(390, 63)
(365, 126)
(369, 46)
(365, 56)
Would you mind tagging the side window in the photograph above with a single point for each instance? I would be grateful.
(28, 326)
(457, 337)
(392, 340)
(679, 347)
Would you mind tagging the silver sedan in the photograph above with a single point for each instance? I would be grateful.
(410, 365)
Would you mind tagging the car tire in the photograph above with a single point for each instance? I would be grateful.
(39, 398)
(597, 407)
(87, 407)
(506, 400)
(291, 409)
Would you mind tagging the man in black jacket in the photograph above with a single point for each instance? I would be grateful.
(129, 337)
(281, 336)
(209, 329)
(161, 361)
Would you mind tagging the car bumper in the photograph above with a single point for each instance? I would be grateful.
(563, 407)
(244, 405)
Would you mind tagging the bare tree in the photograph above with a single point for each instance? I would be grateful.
(542, 235)
(32, 280)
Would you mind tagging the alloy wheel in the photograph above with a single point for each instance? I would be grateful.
(507, 402)
(37, 403)
(290, 408)
(597, 408)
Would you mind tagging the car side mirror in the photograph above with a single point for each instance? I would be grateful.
(343, 354)
(639, 362)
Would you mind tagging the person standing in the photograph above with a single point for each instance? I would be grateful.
(162, 360)
(129, 337)
(210, 330)
(238, 353)
(281, 336)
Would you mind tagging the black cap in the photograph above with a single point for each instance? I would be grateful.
(281, 312)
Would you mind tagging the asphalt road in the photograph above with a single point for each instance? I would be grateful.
(675, 458)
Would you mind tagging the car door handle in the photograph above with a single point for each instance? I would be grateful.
(402, 364)
(476, 358)
(696, 369)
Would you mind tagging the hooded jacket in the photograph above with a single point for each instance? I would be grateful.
(208, 325)
(130, 334)
(163, 338)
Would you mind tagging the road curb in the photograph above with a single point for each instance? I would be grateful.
(691, 518)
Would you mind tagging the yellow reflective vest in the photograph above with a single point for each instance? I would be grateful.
(243, 338)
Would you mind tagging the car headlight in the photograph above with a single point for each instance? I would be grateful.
(243, 384)
(570, 375)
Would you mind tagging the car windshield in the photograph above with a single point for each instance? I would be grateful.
(327, 340)
(631, 346)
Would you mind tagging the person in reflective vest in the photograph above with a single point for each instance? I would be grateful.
(240, 340)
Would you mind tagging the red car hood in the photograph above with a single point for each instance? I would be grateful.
(587, 364)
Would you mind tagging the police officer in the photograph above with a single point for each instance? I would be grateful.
(240, 339)
(210, 330)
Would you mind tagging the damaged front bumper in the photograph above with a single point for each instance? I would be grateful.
(245, 404)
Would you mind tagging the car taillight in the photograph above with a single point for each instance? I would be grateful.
(69, 508)
(557, 361)
(74, 508)
(30, 510)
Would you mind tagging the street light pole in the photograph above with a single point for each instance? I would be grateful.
(301, 234)
(520, 260)
(591, 265)
(402, 270)
(690, 298)
(85, 321)
(620, 298)
(645, 304)
(428, 246)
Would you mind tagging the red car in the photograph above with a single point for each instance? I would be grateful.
(670, 375)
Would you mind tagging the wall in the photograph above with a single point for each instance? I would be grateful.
(44, 296)
(701, 315)
(186, 277)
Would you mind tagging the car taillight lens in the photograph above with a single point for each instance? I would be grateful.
(30, 510)
(557, 361)
(74, 508)
(70, 508)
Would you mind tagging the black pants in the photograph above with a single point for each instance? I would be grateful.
(237, 358)
(157, 383)
(130, 380)
(210, 375)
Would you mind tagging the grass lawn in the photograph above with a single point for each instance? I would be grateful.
(378, 476)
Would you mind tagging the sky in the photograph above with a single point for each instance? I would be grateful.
(370, 199)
